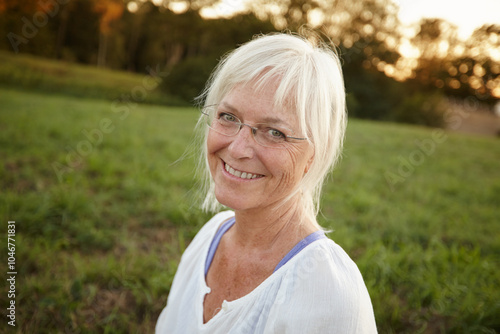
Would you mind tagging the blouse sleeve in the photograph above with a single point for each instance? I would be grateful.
(324, 293)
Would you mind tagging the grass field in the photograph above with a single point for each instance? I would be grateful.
(103, 214)
(50, 76)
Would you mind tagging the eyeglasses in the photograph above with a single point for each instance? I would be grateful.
(229, 125)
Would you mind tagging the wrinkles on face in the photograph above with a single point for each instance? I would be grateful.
(293, 172)
(282, 168)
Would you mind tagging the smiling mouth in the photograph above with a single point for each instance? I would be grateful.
(240, 174)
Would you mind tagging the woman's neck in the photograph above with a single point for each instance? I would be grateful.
(268, 228)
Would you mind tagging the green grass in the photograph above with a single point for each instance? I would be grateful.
(97, 246)
(51, 76)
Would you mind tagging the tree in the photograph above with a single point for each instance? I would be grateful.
(202, 48)
(81, 40)
(458, 68)
(28, 26)
(290, 14)
(109, 11)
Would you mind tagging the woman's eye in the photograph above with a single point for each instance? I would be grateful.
(276, 134)
(228, 117)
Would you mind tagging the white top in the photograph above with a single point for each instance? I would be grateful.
(319, 290)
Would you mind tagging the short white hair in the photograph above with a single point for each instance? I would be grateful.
(310, 83)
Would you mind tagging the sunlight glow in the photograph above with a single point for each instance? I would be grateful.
(496, 92)
(315, 17)
(178, 7)
(224, 8)
(495, 54)
(458, 50)
(132, 6)
(466, 15)
(443, 48)
(407, 50)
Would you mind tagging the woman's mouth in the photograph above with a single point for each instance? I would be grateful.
(240, 174)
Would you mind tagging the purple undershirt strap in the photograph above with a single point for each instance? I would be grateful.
(300, 246)
(295, 250)
(215, 242)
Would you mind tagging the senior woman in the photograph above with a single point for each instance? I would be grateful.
(274, 120)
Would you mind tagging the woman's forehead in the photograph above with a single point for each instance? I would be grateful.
(258, 103)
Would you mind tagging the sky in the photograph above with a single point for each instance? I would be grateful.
(467, 15)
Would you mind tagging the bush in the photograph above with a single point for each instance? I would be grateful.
(187, 79)
(420, 108)
(372, 95)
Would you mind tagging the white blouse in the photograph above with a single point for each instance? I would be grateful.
(319, 290)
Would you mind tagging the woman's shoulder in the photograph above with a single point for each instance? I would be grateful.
(323, 271)
(325, 261)
(325, 280)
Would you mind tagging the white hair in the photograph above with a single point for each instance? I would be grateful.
(310, 83)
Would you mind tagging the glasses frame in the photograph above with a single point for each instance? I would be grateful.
(240, 126)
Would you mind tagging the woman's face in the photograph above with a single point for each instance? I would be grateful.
(271, 173)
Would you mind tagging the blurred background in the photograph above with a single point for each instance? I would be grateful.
(97, 165)
(400, 57)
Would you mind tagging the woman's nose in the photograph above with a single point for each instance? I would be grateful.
(243, 143)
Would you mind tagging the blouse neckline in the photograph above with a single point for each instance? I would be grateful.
(210, 252)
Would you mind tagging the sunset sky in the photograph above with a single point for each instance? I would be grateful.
(467, 15)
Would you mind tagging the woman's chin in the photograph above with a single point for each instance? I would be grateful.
(235, 203)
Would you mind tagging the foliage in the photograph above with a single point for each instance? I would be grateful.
(97, 251)
(458, 68)
(187, 78)
(372, 95)
(421, 108)
(186, 45)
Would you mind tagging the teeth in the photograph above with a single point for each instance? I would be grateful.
(237, 173)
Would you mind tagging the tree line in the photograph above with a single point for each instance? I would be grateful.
(381, 82)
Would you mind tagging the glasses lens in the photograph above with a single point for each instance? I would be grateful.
(269, 137)
(225, 124)
(229, 125)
